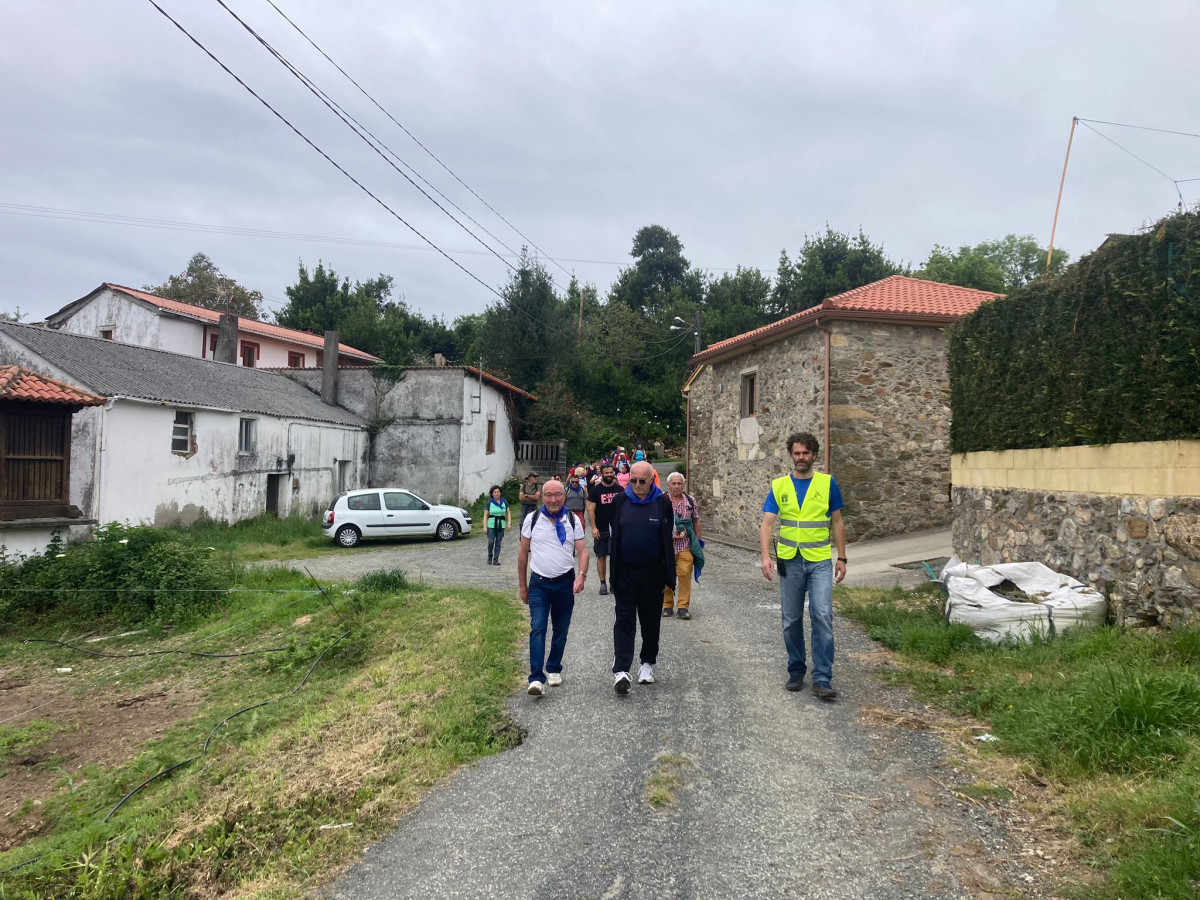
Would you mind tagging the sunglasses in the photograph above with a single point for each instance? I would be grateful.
(640, 480)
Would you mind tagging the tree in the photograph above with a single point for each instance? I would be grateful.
(1001, 266)
(735, 304)
(203, 284)
(827, 265)
(660, 276)
(15, 316)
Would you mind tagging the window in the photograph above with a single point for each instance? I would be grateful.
(749, 394)
(181, 433)
(246, 436)
(491, 443)
(401, 500)
(295, 360)
(249, 354)
(212, 345)
(106, 333)
(363, 501)
(35, 457)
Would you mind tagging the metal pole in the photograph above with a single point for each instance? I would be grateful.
(1058, 203)
(697, 332)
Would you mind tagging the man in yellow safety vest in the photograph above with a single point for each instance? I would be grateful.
(808, 505)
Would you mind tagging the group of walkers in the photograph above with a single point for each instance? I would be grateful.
(648, 549)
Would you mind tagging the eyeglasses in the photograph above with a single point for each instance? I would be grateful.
(554, 494)
(640, 480)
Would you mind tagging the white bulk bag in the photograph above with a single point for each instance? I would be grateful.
(1058, 602)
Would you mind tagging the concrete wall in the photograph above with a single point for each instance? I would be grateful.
(20, 541)
(479, 470)
(889, 427)
(1124, 518)
(272, 354)
(133, 323)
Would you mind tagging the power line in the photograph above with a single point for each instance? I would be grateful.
(1173, 181)
(1138, 127)
(366, 94)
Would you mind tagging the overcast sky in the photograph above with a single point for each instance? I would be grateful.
(741, 126)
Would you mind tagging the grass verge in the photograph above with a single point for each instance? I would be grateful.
(287, 792)
(1111, 718)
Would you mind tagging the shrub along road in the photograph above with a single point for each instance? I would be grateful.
(712, 782)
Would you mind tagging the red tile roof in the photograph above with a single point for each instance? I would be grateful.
(246, 326)
(897, 297)
(21, 384)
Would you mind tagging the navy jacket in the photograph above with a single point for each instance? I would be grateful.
(666, 537)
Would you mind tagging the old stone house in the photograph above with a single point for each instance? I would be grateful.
(865, 371)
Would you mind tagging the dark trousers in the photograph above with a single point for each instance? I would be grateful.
(639, 591)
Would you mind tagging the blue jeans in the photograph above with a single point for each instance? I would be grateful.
(815, 578)
(495, 536)
(555, 601)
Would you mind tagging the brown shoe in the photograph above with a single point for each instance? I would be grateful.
(685, 613)
(668, 611)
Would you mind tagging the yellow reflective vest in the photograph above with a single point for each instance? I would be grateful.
(804, 528)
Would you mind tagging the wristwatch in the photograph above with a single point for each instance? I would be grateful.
(843, 559)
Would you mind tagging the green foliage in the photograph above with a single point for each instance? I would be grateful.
(1106, 352)
(1001, 266)
(15, 739)
(126, 574)
(383, 581)
(920, 632)
(203, 284)
(828, 264)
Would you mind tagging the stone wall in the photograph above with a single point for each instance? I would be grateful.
(1144, 552)
(889, 427)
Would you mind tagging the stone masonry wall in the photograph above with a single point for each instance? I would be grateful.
(1144, 553)
(889, 427)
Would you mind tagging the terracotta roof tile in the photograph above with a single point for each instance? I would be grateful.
(21, 384)
(246, 326)
(897, 296)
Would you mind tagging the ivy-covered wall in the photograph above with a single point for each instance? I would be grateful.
(1106, 352)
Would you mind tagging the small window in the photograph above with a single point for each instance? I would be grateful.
(491, 440)
(295, 360)
(749, 394)
(401, 500)
(181, 433)
(249, 354)
(361, 502)
(212, 345)
(246, 436)
(106, 333)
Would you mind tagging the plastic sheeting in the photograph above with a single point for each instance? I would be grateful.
(1057, 603)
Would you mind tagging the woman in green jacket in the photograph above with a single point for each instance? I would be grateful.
(498, 519)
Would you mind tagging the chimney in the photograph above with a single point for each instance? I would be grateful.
(227, 339)
(439, 359)
(329, 369)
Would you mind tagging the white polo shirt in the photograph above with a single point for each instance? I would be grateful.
(547, 556)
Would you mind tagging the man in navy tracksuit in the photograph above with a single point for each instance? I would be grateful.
(642, 557)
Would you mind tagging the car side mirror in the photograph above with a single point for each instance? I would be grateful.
(424, 506)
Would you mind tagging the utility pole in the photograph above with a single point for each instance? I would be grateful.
(697, 332)
(1058, 203)
(580, 314)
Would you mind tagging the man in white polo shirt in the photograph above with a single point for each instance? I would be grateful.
(551, 540)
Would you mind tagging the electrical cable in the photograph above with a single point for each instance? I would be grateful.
(415, 140)
(1138, 127)
(367, 136)
(1138, 158)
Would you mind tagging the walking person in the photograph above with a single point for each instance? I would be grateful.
(551, 540)
(530, 495)
(689, 556)
(643, 563)
(499, 519)
(577, 496)
(599, 512)
(808, 505)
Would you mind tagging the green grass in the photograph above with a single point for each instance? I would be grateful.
(16, 739)
(1112, 717)
(375, 726)
(265, 537)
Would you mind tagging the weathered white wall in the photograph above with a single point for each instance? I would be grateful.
(131, 322)
(272, 354)
(141, 480)
(478, 469)
(18, 542)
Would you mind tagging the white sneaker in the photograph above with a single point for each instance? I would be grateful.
(536, 688)
(554, 679)
(646, 674)
(621, 682)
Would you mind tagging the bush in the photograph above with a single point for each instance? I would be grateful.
(128, 574)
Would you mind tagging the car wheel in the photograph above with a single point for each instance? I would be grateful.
(347, 536)
(447, 530)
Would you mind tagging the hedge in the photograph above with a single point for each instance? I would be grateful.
(1106, 352)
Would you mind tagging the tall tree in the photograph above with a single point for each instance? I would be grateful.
(828, 264)
(660, 276)
(203, 284)
(734, 304)
(1001, 266)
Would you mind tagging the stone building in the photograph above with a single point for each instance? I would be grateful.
(865, 371)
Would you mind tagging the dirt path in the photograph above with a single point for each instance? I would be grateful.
(773, 794)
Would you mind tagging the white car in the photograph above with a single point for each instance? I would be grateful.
(390, 512)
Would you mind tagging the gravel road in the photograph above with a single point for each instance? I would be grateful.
(779, 794)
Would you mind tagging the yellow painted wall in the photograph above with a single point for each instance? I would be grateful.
(1151, 469)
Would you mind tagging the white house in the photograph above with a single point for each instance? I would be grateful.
(136, 317)
(182, 437)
